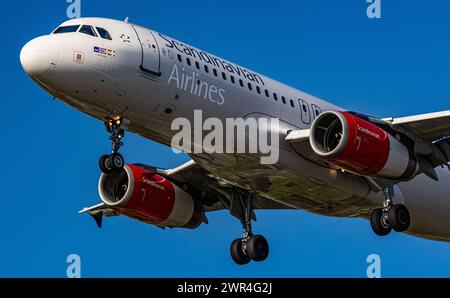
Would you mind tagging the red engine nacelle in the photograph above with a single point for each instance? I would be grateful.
(361, 147)
(138, 193)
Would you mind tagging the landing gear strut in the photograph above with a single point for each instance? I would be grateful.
(390, 217)
(114, 161)
(249, 247)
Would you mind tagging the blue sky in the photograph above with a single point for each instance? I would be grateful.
(398, 65)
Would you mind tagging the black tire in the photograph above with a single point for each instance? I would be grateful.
(237, 254)
(257, 248)
(379, 224)
(105, 164)
(117, 161)
(399, 218)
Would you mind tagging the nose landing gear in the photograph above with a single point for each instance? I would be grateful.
(249, 247)
(114, 161)
(390, 217)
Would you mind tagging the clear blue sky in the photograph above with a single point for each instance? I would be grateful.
(398, 65)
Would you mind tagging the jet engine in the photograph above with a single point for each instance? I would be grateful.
(361, 147)
(140, 194)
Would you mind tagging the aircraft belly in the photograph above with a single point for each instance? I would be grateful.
(428, 202)
(316, 191)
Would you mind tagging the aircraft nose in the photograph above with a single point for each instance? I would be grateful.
(39, 57)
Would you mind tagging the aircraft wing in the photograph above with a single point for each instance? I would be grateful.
(212, 192)
(296, 136)
(215, 193)
(431, 133)
(98, 212)
(430, 127)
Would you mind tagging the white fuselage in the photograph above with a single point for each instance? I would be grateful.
(152, 79)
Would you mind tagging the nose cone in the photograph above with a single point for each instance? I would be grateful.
(39, 57)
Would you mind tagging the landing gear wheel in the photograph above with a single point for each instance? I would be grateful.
(105, 164)
(380, 223)
(399, 218)
(257, 248)
(237, 253)
(117, 161)
(249, 247)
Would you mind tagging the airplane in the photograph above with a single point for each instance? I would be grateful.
(332, 161)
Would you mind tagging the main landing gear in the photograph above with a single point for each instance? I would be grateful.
(390, 217)
(114, 161)
(249, 247)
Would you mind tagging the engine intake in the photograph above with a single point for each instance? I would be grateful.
(137, 193)
(359, 146)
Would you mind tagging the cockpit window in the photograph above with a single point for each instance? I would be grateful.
(103, 33)
(86, 29)
(66, 29)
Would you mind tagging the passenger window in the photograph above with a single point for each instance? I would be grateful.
(241, 82)
(267, 93)
(275, 96)
(224, 76)
(250, 87)
(232, 80)
(283, 99)
(197, 65)
(206, 69)
(215, 72)
(88, 30)
(292, 103)
(188, 61)
(66, 29)
(179, 58)
(258, 89)
(103, 33)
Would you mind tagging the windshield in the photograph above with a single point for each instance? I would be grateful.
(86, 29)
(103, 33)
(66, 29)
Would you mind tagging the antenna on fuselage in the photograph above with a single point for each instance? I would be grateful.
(126, 20)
